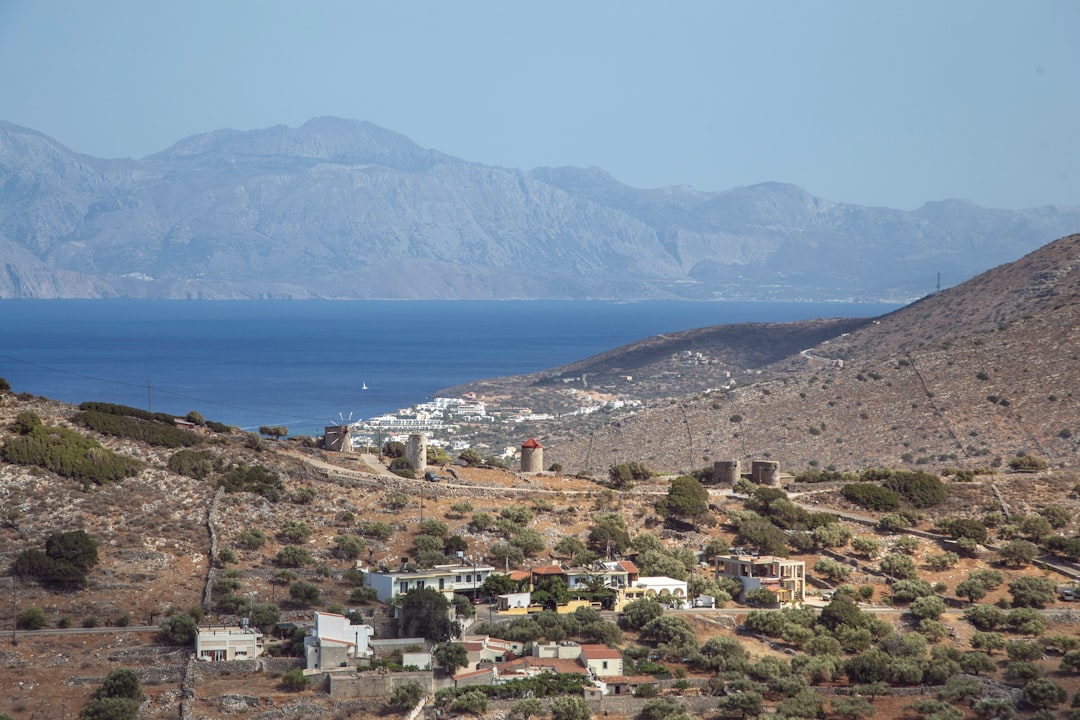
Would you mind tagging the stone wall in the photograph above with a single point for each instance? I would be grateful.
(377, 684)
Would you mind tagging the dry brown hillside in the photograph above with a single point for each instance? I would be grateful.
(968, 377)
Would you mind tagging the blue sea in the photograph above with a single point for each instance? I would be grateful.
(302, 363)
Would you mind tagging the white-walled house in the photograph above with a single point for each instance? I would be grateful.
(228, 643)
(333, 640)
(662, 588)
(447, 579)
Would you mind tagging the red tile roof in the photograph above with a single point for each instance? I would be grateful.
(600, 652)
(628, 566)
(548, 570)
(531, 443)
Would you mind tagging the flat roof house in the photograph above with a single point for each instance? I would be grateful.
(219, 643)
(785, 578)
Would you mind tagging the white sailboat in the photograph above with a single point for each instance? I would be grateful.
(363, 386)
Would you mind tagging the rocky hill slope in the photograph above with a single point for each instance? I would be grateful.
(969, 377)
(345, 209)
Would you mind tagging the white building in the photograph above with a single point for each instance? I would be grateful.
(333, 640)
(664, 589)
(447, 579)
(228, 643)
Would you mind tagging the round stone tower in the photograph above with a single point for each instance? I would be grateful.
(765, 472)
(416, 452)
(725, 472)
(532, 456)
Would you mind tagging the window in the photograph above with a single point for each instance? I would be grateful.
(457, 579)
(404, 586)
(441, 581)
(604, 665)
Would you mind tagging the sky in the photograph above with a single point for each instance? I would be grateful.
(876, 103)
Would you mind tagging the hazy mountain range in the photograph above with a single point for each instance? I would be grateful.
(345, 209)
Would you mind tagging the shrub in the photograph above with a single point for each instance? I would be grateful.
(293, 556)
(196, 464)
(251, 539)
(871, 497)
(157, 431)
(178, 629)
(1027, 464)
(32, 618)
(66, 453)
(294, 680)
(305, 593)
(254, 479)
(921, 489)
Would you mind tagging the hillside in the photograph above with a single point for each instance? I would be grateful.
(345, 209)
(968, 377)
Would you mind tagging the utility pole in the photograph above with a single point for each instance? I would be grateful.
(14, 611)
(148, 407)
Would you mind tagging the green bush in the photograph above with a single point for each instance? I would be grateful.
(871, 497)
(196, 464)
(294, 680)
(155, 432)
(292, 556)
(66, 453)
(254, 479)
(32, 618)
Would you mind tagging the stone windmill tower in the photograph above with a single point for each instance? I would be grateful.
(532, 456)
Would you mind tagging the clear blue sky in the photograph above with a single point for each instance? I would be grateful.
(876, 103)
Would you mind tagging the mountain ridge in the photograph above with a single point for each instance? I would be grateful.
(346, 209)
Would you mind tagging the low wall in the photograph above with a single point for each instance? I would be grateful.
(377, 684)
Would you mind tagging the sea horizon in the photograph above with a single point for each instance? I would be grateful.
(303, 364)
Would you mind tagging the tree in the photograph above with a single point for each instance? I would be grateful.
(120, 683)
(452, 655)
(305, 593)
(748, 703)
(569, 707)
(110, 709)
(349, 546)
(639, 613)
(1030, 591)
(716, 546)
(673, 635)
(275, 431)
(972, 589)
(866, 546)
(525, 709)
(498, 584)
(75, 547)
(899, 566)
(1070, 661)
(292, 556)
(624, 475)
(529, 541)
(426, 613)
(265, 616)
(661, 708)
(608, 534)
(472, 701)
(406, 696)
(570, 545)
(977, 663)
(988, 641)
(930, 607)
(831, 569)
(1043, 693)
(179, 629)
(1018, 552)
(687, 499)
